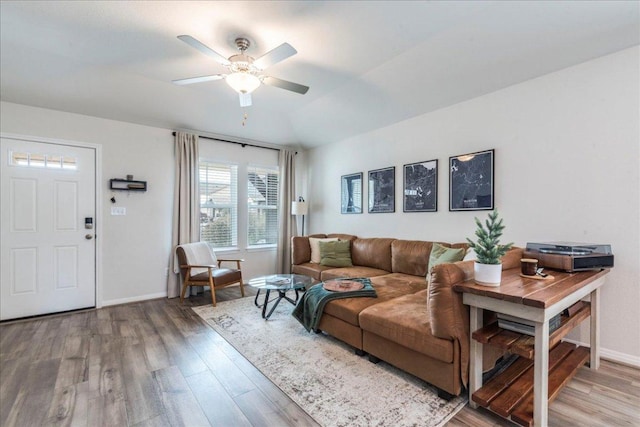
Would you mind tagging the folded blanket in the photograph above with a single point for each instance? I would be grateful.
(311, 306)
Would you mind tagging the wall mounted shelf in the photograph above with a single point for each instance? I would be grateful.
(127, 185)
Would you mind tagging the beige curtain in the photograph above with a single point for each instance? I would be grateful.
(186, 204)
(287, 224)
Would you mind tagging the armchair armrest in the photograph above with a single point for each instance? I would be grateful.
(197, 266)
(237, 261)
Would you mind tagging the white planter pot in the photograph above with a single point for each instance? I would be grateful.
(487, 274)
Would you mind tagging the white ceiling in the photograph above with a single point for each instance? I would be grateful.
(369, 63)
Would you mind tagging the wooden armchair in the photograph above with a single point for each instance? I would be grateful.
(200, 267)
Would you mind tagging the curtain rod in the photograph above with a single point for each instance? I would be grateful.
(244, 144)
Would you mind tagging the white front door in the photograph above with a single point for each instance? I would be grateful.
(48, 250)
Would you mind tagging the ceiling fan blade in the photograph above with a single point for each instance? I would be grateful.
(204, 49)
(200, 79)
(245, 99)
(274, 56)
(284, 84)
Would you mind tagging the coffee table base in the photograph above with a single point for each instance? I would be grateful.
(281, 295)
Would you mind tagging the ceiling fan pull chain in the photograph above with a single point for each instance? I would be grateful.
(244, 119)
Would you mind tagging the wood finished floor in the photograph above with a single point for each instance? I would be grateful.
(156, 363)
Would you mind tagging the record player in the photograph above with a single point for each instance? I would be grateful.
(570, 256)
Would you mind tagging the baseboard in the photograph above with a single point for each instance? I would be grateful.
(614, 356)
(133, 299)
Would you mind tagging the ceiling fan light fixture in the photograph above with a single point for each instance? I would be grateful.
(243, 82)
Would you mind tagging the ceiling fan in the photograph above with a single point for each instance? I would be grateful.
(245, 72)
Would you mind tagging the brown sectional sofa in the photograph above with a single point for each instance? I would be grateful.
(421, 329)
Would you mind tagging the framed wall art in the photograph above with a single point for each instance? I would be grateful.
(420, 189)
(351, 194)
(471, 179)
(382, 190)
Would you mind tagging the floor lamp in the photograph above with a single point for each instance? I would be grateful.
(299, 208)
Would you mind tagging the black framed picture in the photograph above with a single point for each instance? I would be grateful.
(420, 192)
(382, 190)
(471, 179)
(351, 194)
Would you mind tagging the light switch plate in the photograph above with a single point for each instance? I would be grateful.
(118, 210)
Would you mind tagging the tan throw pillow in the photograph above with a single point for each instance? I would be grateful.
(314, 242)
(441, 254)
(336, 253)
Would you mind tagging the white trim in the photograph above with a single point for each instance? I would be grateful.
(134, 299)
(98, 193)
(612, 355)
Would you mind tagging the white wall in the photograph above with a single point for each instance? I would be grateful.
(567, 168)
(135, 247)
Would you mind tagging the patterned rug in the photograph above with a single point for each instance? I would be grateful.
(323, 375)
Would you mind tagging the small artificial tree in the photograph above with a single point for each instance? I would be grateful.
(488, 248)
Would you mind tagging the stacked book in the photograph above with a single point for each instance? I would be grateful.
(524, 326)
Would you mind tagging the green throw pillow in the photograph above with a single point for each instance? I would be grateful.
(336, 254)
(441, 254)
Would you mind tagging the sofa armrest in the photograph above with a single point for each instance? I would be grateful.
(447, 314)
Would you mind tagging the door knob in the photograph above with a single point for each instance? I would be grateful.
(88, 236)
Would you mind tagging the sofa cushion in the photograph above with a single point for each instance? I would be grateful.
(441, 254)
(405, 321)
(309, 269)
(336, 253)
(355, 271)
(374, 253)
(408, 282)
(410, 257)
(348, 309)
(314, 244)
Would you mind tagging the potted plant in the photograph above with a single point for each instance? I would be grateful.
(488, 268)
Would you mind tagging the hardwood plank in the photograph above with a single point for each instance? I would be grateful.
(485, 333)
(180, 405)
(13, 373)
(551, 295)
(105, 376)
(523, 386)
(143, 399)
(179, 351)
(504, 339)
(233, 380)
(107, 412)
(155, 353)
(32, 402)
(217, 404)
(503, 380)
(69, 406)
(260, 410)
(290, 410)
(558, 377)
(158, 421)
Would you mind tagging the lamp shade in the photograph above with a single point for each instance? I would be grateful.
(243, 82)
(299, 208)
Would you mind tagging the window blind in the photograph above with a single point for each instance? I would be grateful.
(262, 204)
(219, 204)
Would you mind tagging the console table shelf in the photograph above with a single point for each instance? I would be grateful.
(510, 393)
(523, 345)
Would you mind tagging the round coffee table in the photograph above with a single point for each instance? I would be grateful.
(280, 283)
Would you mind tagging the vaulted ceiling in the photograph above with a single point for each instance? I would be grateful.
(369, 63)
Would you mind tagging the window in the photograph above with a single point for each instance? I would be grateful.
(219, 204)
(39, 160)
(262, 205)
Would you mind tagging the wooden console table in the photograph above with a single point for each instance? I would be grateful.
(523, 391)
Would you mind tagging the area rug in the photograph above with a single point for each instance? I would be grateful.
(323, 375)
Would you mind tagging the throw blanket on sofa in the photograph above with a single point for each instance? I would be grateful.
(310, 308)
